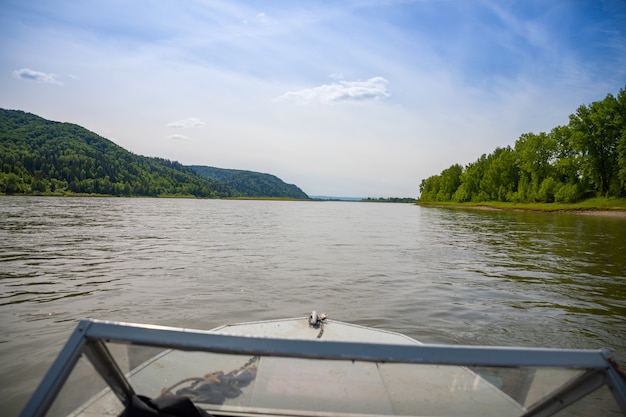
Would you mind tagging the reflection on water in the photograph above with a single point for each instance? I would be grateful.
(442, 276)
(538, 279)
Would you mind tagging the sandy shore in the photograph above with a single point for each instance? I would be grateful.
(587, 212)
(604, 213)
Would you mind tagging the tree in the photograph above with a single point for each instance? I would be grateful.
(567, 159)
(501, 175)
(597, 129)
(535, 155)
(450, 180)
(11, 184)
(621, 145)
(470, 190)
(429, 188)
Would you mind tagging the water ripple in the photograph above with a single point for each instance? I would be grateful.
(441, 276)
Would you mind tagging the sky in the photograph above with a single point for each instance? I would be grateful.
(342, 98)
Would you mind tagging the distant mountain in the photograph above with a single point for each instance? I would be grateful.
(39, 156)
(251, 184)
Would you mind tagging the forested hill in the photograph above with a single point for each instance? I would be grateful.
(586, 158)
(39, 156)
(251, 184)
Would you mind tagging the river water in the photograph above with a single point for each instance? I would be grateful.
(438, 275)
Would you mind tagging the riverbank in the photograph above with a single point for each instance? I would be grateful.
(606, 207)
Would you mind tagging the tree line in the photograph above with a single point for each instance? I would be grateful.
(250, 183)
(389, 200)
(583, 159)
(38, 156)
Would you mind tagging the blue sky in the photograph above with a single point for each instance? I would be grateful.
(345, 98)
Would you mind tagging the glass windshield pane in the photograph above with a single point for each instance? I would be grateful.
(222, 383)
(81, 392)
(598, 403)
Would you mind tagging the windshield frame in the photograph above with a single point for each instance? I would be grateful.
(89, 337)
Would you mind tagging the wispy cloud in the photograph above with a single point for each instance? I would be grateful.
(186, 123)
(260, 17)
(178, 137)
(372, 89)
(460, 78)
(36, 76)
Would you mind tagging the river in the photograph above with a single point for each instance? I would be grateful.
(438, 275)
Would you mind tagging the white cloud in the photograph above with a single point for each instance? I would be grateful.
(37, 76)
(451, 94)
(186, 123)
(372, 89)
(178, 137)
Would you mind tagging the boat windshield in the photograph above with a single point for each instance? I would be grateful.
(107, 364)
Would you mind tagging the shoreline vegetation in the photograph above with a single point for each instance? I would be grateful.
(43, 157)
(571, 164)
(406, 200)
(599, 206)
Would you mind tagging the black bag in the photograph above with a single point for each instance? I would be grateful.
(166, 406)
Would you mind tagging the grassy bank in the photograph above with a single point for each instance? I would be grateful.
(267, 198)
(598, 204)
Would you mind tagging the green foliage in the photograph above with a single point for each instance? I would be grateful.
(621, 145)
(568, 193)
(429, 188)
(38, 156)
(251, 184)
(607, 204)
(389, 200)
(597, 129)
(586, 158)
(450, 181)
(547, 189)
(621, 159)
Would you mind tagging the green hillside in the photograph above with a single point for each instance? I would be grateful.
(39, 156)
(251, 184)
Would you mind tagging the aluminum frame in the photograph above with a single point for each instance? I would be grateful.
(89, 337)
